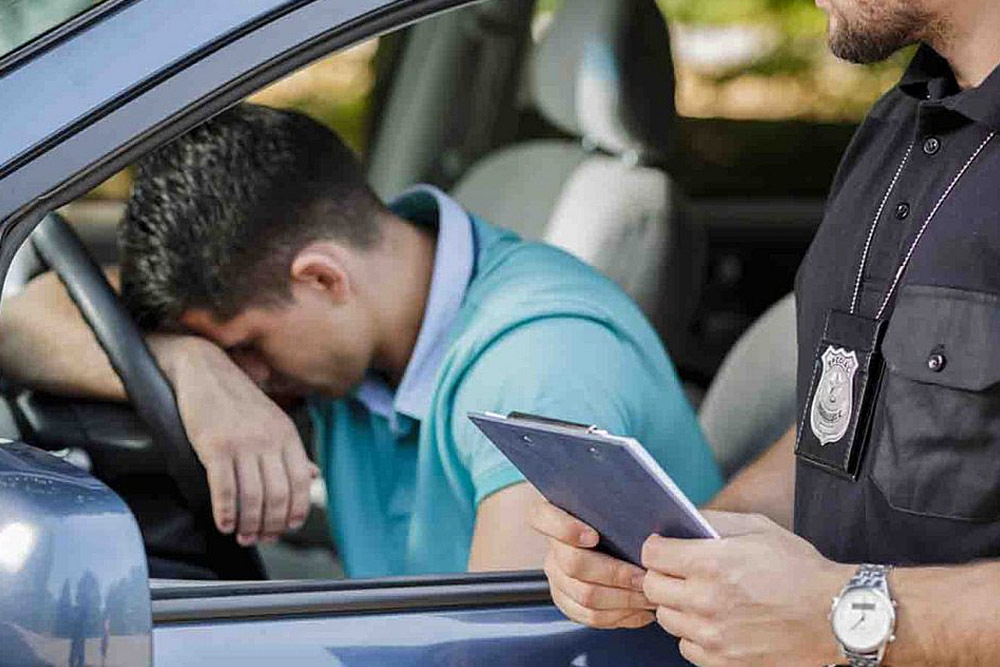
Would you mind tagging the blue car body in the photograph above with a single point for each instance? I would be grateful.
(74, 591)
(80, 103)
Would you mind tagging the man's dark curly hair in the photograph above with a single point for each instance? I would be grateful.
(217, 216)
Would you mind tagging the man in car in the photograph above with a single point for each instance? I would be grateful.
(270, 270)
(902, 276)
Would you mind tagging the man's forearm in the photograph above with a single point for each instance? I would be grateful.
(766, 486)
(45, 344)
(946, 616)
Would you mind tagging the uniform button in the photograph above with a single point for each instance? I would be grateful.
(932, 145)
(936, 362)
(902, 211)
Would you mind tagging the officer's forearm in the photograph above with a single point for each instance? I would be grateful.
(947, 616)
(766, 486)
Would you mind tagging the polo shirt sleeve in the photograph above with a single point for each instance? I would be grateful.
(566, 368)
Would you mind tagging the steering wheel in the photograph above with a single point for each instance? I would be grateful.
(149, 392)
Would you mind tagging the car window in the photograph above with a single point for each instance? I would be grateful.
(451, 105)
(458, 101)
(339, 90)
(23, 20)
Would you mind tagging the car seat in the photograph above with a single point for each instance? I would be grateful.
(603, 75)
(751, 401)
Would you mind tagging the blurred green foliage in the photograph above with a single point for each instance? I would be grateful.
(800, 29)
(794, 16)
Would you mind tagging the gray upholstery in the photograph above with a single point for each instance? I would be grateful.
(621, 217)
(751, 402)
(617, 217)
(603, 71)
(518, 187)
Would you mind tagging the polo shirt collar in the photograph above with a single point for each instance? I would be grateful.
(930, 77)
(453, 266)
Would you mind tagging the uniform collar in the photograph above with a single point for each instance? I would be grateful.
(453, 264)
(930, 78)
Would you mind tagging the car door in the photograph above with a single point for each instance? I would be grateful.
(472, 619)
(81, 102)
(67, 598)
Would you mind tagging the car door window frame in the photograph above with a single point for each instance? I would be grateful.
(157, 108)
(188, 602)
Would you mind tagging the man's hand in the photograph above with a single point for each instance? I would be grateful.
(758, 596)
(258, 472)
(589, 587)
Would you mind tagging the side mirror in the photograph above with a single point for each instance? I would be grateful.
(73, 581)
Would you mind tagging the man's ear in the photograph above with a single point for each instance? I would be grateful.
(320, 266)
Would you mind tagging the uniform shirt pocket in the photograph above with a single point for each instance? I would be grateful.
(938, 448)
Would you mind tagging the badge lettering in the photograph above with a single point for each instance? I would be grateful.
(830, 416)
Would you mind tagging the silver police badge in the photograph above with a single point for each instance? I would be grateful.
(831, 408)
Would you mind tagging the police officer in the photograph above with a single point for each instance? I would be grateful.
(893, 471)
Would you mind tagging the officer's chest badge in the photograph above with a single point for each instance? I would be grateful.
(830, 416)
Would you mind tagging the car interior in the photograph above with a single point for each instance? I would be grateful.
(563, 126)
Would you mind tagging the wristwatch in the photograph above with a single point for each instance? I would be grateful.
(863, 616)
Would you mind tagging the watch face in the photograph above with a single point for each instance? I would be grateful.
(862, 619)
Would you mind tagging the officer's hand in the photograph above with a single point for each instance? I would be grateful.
(589, 587)
(758, 596)
(258, 471)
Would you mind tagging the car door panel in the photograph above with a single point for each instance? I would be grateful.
(63, 593)
(521, 635)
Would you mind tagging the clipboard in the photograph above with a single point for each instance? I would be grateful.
(608, 481)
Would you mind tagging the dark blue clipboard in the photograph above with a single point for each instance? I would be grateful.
(609, 482)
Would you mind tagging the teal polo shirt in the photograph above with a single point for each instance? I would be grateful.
(509, 325)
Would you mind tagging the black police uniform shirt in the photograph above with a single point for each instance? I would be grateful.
(929, 484)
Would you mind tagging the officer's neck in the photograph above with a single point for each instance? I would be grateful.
(971, 40)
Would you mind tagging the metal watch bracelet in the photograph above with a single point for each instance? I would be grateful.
(867, 575)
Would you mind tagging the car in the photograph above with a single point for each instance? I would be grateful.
(102, 86)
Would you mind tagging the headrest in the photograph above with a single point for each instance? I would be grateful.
(603, 71)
